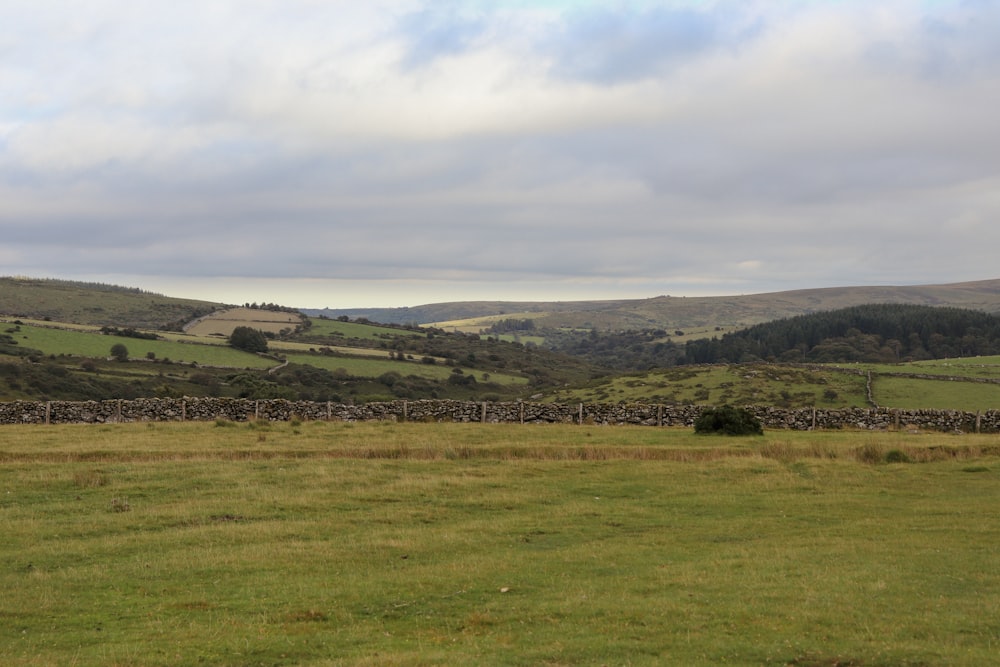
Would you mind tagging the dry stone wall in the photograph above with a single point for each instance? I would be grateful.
(210, 409)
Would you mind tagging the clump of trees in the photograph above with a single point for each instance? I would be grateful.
(248, 339)
(128, 332)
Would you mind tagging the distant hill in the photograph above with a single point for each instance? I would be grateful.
(672, 313)
(97, 304)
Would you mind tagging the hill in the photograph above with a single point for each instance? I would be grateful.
(67, 357)
(57, 338)
(682, 313)
(97, 304)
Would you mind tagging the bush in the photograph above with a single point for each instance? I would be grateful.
(119, 352)
(728, 420)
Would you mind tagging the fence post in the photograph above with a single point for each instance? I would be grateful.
(405, 411)
(482, 419)
(580, 418)
(48, 412)
(521, 405)
(184, 409)
(659, 414)
(979, 421)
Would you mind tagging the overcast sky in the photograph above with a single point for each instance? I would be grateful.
(328, 153)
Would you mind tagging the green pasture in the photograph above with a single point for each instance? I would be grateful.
(456, 544)
(976, 367)
(95, 345)
(369, 367)
(914, 394)
(346, 330)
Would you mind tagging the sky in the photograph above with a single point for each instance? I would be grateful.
(342, 154)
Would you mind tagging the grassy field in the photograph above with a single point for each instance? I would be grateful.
(369, 367)
(51, 340)
(326, 327)
(897, 392)
(446, 544)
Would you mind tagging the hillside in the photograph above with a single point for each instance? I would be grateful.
(354, 361)
(682, 313)
(97, 304)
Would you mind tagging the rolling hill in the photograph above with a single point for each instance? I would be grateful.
(97, 304)
(682, 313)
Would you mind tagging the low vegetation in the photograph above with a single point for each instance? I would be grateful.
(415, 544)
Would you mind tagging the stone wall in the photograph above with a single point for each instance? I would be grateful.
(210, 409)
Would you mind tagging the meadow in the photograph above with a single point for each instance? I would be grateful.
(324, 543)
(92, 344)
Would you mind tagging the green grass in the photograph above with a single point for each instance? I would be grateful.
(912, 394)
(411, 544)
(976, 367)
(347, 330)
(88, 344)
(368, 367)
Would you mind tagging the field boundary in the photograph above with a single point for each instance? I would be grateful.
(519, 412)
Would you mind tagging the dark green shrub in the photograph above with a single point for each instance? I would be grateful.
(727, 420)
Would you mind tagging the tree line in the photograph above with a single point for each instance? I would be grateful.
(867, 333)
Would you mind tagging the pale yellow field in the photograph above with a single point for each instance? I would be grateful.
(224, 321)
(475, 324)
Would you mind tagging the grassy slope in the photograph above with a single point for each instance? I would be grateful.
(806, 386)
(87, 304)
(51, 340)
(342, 544)
(700, 312)
(759, 384)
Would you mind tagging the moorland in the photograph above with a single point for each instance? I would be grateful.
(936, 347)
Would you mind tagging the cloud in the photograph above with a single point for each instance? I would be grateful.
(648, 145)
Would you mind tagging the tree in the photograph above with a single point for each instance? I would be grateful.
(248, 339)
(119, 352)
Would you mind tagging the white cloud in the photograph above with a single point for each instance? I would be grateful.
(565, 146)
